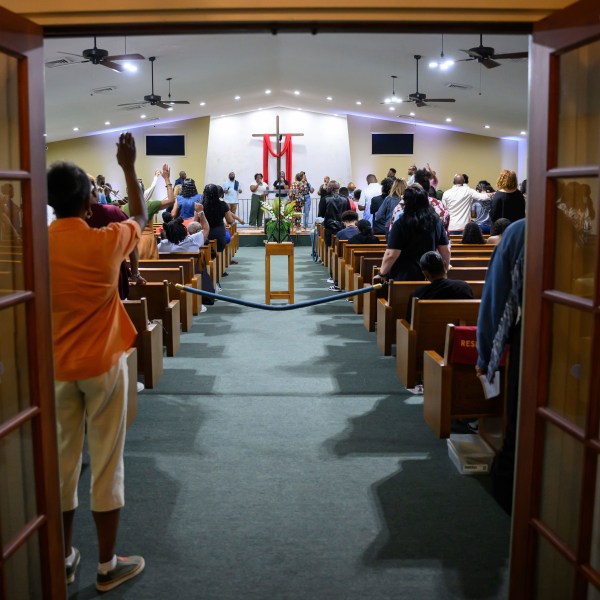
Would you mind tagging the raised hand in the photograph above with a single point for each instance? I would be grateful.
(166, 172)
(126, 152)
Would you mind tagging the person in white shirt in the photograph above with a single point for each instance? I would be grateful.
(178, 239)
(458, 201)
(259, 190)
(410, 179)
(232, 191)
(373, 189)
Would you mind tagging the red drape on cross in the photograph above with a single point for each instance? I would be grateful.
(286, 149)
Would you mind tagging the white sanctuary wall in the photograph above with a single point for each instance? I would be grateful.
(324, 148)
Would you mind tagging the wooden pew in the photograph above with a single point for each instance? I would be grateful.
(452, 390)
(469, 261)
(345, 258)
(353, 265)
(467, 273)
(149, 342)
(394, 307)
(160, 306)
(364, 276)
(173, 276)
(190, 276)
(427, 331)
(370, 302)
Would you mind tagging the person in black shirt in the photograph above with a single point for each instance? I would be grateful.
(365, 234)
(440, 287)
(335, 205)
(508, 202)
(416, 231)
(281, 186)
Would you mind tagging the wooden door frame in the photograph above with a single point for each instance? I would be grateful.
(24, 41)
(558, 33)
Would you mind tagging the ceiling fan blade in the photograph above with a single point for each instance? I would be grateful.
(511, 55)
(112, 65)
(488, 63)
(177, 102)
(441, 100)
(70, 53)
(125, 57)
(163, 105)
(472, 53)
(134, 103)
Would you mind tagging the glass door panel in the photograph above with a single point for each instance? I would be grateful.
(10, 219)
(570, 363)
(22, 572)
(576, 239)
(17, 470)
(579, 108)
(554, 575)
(561, 484)
(9, 113)
(14, 369)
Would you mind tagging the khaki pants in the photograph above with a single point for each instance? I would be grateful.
(101, 403)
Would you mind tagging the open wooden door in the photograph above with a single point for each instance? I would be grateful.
(556, 529)
(31, 557)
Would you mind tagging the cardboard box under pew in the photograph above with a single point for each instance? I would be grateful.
(470, 454)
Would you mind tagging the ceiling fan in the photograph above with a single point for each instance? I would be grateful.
(487, 56)
(154, 99)
(419, 98)
(99, 56)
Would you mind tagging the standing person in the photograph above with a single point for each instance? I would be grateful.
(508, 202)
(148, 248)
(391, 192)
(182, 177)
(458, 200)
(232, 190)
(307, 200)
(410, 174)
(499, 323)
(259, 190)
(417, 230)
(91, 333)
(391, 173)
(184, 204)
(216, 213)
(373, 189)
(297, 194)
(336, 204)
(281, 186)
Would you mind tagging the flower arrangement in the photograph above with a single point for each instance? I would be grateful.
(279, 216)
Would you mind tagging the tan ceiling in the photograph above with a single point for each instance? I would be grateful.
(73, 12)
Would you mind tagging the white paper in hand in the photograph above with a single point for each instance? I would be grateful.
(490, 390)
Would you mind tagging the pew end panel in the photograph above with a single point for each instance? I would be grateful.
(132, 393)
(406, 364)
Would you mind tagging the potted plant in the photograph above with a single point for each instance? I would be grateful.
(279, 214)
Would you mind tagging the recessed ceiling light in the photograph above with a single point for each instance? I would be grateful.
(335, 115)
(130, 67)
(170, 108)
(433, 64)
(237, 97)
(523, 133)
(329, 98)
(260, 108)
(412, 114)
(45, 135)
(358, 102)
(486, 126)
(296, 92)
(298, 109)
(75, 128)
(391, 108)
(107, 122)
(448, 120)
(267, 91)
(142, 116)
(202, 103)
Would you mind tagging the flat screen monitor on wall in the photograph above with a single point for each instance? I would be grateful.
(392, 143)
(165, 145)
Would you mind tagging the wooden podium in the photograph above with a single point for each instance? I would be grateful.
(279, 249)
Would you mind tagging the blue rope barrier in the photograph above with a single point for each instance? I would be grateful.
(277, 307)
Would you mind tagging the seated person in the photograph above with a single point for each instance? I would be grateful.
(178, 238)
(365, 234)
(349, 219)
(472, 234)
(497, 230)
(440, 287)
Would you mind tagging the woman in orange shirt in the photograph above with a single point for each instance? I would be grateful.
(91, 333)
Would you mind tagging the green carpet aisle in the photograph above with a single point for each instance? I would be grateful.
(280, 458)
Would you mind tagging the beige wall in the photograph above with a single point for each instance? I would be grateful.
(448, 152)
(96, 154)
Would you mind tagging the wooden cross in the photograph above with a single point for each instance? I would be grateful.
(277, 135)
